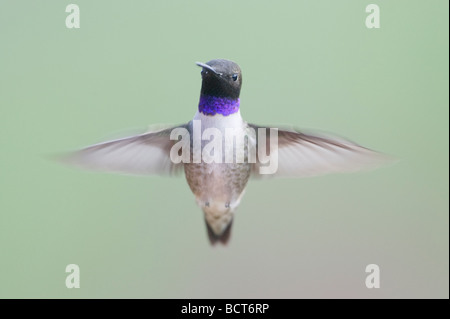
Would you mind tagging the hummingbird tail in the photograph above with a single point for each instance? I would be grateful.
(222, 238)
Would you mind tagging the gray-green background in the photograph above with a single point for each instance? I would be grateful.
(309, 63)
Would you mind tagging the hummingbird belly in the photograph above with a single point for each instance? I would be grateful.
(218, 189)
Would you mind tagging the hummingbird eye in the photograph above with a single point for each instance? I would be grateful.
(234, 76)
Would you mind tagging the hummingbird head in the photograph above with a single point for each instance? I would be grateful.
(221, 86)
(221, 78)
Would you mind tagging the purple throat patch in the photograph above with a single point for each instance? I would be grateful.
(211, 105)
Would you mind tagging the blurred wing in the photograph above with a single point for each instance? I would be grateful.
(304, 155)
(145, 154)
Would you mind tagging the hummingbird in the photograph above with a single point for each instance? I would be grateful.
(218, 187)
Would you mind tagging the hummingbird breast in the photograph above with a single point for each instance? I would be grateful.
(219, 186)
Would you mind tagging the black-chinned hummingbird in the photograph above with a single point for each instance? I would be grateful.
(219, 186)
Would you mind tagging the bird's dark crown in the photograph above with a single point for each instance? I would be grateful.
(221, 78)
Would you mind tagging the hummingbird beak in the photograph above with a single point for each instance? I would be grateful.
(206, 66)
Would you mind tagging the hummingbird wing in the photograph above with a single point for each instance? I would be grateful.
(144, 154)
(304, 155)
